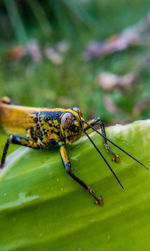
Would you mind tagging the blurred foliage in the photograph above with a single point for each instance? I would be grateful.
(73, 82)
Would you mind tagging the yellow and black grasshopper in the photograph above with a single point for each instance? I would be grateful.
(45, 127)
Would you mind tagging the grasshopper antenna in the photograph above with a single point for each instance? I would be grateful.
(116, 145)
(103, 157)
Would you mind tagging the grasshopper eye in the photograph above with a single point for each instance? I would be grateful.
(76, 109)
(66, 120)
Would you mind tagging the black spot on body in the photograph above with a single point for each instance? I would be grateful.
(53, 142)
(58, 133)
(35, 116)
(31, 131)
(38, 126)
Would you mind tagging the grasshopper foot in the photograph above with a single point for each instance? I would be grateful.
(99, 201)
(116, 157)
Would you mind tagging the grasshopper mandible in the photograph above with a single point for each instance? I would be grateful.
(45, 127)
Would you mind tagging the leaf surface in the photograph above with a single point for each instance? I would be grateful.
(42, 208)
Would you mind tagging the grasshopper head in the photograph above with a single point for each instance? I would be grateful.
(71, 123)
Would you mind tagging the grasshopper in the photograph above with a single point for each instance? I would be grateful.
(45, 127)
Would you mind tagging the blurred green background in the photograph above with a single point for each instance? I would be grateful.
(42, 63)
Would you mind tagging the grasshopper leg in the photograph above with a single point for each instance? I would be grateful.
(67, 166)
(115, 156)
(20, 141)
(96, 121)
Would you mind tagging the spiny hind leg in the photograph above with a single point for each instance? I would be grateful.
(67, 166)
(19, 141)
(96, 121)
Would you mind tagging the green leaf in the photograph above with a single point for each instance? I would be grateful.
(42, 208)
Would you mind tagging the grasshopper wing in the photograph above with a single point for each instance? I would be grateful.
(17, 119)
